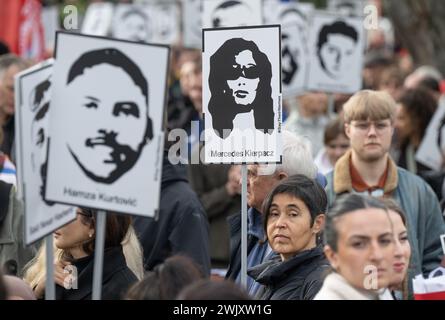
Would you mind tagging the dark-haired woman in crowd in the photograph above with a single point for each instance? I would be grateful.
(294, 214)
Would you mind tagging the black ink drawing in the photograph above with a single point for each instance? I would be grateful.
(239, 82)
(109, 95)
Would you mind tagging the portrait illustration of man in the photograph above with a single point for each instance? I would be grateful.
(239, 82)
(114, 114)
(133, 25)
(40, 103)
(231, 13)
(293, 36)
(336, 46)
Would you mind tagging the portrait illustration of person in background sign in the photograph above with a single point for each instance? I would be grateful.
(40, 103)
(239, 82)
(115, 124)
(133, 25)
(231, 13)
(294, 41)
(336, 45)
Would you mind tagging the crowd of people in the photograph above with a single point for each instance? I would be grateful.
(349, 213)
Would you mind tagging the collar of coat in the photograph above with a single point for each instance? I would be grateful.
(343, 181)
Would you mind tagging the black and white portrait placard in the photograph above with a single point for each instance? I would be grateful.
(98, 19)
(242, 94)
(152, 22)
(347, 7)
(432, 148)
(336, 46)
(294, 19)
(165, 22)
(192, 23)
(132, 22)
(32, 118)
(107, 136)
(232, 13)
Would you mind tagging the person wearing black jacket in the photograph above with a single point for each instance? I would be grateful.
(74, 259)
(294, 216)
(181, 226)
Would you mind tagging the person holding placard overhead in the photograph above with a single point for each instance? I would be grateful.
(73, 270)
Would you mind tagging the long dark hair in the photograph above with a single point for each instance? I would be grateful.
(222, 105)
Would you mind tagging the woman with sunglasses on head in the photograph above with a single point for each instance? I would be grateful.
(74, 259)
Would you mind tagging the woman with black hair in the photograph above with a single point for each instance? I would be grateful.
(294, 214)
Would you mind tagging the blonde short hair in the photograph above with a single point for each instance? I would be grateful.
(369, 104)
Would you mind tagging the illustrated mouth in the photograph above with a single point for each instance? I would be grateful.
(241, 93)
(92, 142)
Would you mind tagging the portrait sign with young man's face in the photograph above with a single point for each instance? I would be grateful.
(242, 94)
(336, 54)
(107, 138)
(232, 13)
(33, 94)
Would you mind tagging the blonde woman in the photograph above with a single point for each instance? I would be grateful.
(74, 245)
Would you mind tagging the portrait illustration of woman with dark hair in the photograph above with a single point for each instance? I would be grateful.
(239, 82)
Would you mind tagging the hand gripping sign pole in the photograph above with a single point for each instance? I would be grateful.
(244, 225)
(99, 254)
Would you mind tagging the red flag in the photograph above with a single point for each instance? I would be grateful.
(21, 28)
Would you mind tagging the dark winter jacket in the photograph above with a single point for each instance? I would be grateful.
(299, 278)
(182, 226)
(117, 277)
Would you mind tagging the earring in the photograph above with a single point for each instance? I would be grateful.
(91, 235)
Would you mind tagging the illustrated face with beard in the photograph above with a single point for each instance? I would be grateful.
(39, 132)
(111, 126)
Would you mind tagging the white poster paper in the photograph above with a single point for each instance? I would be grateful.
(165, 23)
(242, 94)
(347, 7)
(192, 23)
(294, 19)
(336, 46)
(98, 19)
(107, 137)
(50, 22)
(232, 13)
(432, 147)
(132, 22)
(33, 95)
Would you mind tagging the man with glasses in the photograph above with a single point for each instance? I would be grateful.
(368, 169)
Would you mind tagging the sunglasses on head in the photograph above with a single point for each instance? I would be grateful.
(85, 212)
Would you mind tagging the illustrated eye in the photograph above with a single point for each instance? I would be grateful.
(91, 104)
(127, 108)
